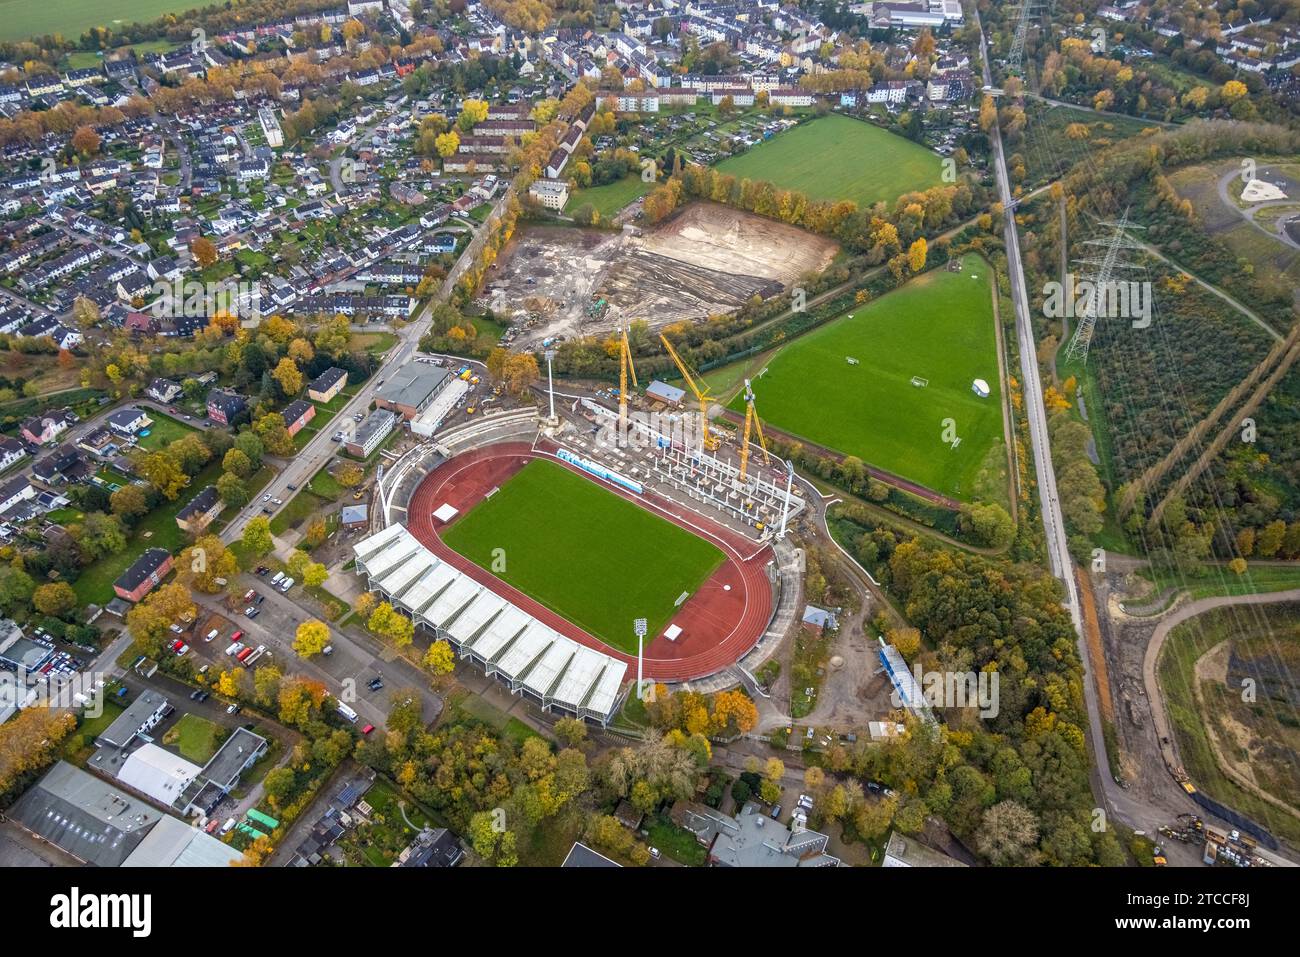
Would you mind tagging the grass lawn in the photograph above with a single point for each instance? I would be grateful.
(196, 738)
(373, 342)
(592, 557)
(158, 529)
(80, 746)
(296, 511)
(939, 327)
(677, 842)
(71, 18)
(1219, 581)
(838, 157)
(610, 198)
(164, 431)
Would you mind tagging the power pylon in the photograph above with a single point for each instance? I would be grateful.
(1105, 268)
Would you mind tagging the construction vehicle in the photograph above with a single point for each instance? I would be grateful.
(751, 421)
(625, 366)
(702, 396)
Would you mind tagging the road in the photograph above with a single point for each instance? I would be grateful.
(1050, 507)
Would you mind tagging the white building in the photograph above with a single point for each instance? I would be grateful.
(550, 193)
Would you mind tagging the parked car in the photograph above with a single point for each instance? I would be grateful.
(286, 585)
(327, 650)
(776, 811)
(367, 729)
(277, 578)
(252, 612)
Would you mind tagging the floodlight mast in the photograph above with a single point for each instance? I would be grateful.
(640, 626)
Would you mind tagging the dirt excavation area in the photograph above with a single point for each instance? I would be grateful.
(557, 281)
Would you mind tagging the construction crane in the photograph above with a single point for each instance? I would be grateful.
(751, 421)
(701, 395)
(624, 367)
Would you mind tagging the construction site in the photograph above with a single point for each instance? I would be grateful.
(553, 282)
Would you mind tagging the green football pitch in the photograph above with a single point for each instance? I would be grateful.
(837, 157)
(937, 328)
(31, 18)
(590, 556)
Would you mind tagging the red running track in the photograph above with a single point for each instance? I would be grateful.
(720, 622)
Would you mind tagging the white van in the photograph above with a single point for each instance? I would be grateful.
(228, 826)
(276, 578)
(286, 585)
(212, 634)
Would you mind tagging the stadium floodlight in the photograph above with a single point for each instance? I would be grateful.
(550, 380)
(641, 626)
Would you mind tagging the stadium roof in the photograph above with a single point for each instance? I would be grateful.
(507, 640)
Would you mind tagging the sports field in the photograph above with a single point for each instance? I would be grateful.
(939, 327)
(20, 19)
(837, 157)
(585, 553)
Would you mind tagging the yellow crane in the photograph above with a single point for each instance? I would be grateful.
(624, 367)
(751, 420)
(701, 395)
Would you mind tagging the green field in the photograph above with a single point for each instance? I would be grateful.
(590, 556)
(610, 198)
(71, 18)
(837, 157)
(939, 327)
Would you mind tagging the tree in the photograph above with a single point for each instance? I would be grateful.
(1008, 833)
(314, 575)
(256, 537)
(571, 731)
(16, 588)
(1232, 91)
(916, 255)
(130, 501)
(1237, 566)
(349, 474)
(439, 658)
(204, 252)
(389, 623)
(232, 489)
(288, 376)
(203, 563)
(279, 784)
(447, 144)
(992, 525)
(365, 604)
(149, 621)
(237, 462)
(311, 637)
(162, 472)
(85, 141)
(54, 598)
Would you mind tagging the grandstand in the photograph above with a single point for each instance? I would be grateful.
(529, 657)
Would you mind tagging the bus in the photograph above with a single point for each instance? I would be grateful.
(348, 712)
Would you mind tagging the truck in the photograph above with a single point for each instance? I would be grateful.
(244, 655)
(261, 650)
(348, 713)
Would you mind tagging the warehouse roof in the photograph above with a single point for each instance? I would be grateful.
(412, 384)
(174, 843)
(87, 817)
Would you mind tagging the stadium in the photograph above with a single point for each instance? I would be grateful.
(534, 561)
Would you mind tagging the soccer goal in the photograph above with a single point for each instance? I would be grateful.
(919, 382)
